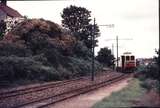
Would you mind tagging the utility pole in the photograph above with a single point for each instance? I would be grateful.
(117, 42)
(113, 55)
(117, 50)
(93, 45)
(113, 49)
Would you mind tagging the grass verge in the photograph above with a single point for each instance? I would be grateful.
(124, 97)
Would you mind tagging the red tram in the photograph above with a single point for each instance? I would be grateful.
(127, 62)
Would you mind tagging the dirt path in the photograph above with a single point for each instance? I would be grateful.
(89, 99)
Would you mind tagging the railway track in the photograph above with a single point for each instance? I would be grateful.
(21, 91)
(66, 95)
(42, 96)
(12, 93)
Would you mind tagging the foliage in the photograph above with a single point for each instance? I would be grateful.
(2, 29)
(74, 17)
(105, 57)
(151, 70)
(150, 84)
(124, 97)
(40, 50)
(14, 68)
(8, 49)
(150, 74)
(77, 19)
(157, 58)
(8, 24)
(80, 50)
(79, 66)
(39, 35)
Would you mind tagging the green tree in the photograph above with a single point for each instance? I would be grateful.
(157, 58)
(77, 19)
(105, 57)
(152, 69)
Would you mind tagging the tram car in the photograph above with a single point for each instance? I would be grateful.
(127, 62)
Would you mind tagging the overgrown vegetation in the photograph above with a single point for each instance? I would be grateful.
(141, 91)
(40, 50)
(2, 29)
(105, 57)
(123, 98)
(150, 74)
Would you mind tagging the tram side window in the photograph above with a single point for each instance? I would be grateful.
(132, 57)
(123, 58)
(127, 57)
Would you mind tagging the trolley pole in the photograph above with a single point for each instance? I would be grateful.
(93, 45)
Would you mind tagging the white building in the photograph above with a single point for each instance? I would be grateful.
(9, 15)
(7, 12)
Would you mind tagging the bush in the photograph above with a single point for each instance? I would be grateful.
(53, 57)
(8, 49)
(15, 68)
(2, 29)
(152, 71)
(149, 75)
(105, 57)
(79, 66)
(80, 50)
(38, 50)
(151, 84)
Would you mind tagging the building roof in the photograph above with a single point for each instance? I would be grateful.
(9, 11)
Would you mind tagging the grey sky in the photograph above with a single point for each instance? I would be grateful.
(135, 19)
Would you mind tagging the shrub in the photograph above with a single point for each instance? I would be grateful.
(15, 68)
(2, 29)
(151, 84)
(105, 57)
(80, 50)
(149, 76)
(79, 66)
(8, 49)
(38, 50)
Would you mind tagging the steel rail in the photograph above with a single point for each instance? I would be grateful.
(72, 93)
(35, 89)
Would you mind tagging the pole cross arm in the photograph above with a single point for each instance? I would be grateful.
(119, 39)
(108, 25)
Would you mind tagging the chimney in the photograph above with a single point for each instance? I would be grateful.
(4, 2)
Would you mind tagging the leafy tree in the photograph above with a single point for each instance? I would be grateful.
(89, 33)
(2, 28)
(157, 58)
(77, 19)
(152, 69)
(105, 57)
